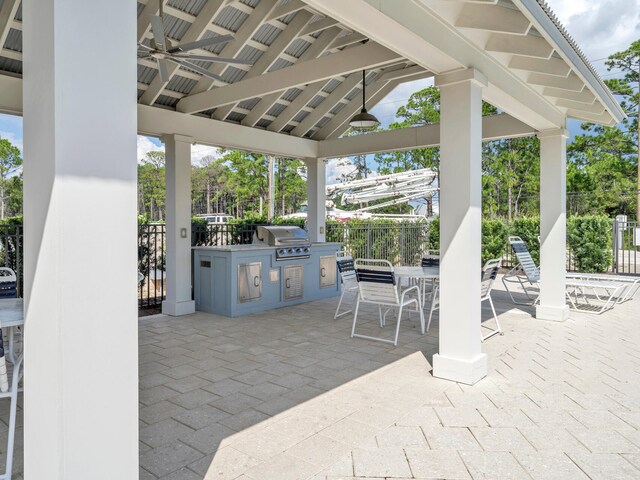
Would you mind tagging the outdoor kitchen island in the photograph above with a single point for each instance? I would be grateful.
(280, 268)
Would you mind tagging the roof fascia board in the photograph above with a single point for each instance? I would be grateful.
(547, 28)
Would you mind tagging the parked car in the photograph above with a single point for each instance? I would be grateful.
(216, 217)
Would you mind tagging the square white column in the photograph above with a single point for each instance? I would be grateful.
(178, 206)
(553, 225)
(316, 199)
(459, 356)
(80, 279)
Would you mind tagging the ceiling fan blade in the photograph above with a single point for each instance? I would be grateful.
(143, 55)
(157, 29)
(145, 47)
(196, 68)
(205, 42)
(164, 70)
(204, 58)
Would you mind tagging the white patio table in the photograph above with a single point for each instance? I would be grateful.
(421, 274)
(11, 317)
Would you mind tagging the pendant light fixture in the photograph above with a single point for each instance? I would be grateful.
(364, 120)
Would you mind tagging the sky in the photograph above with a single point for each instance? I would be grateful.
(600, 27)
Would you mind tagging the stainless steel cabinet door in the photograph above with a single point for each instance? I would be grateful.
(249, 282)
(293, 282)
(327, 271)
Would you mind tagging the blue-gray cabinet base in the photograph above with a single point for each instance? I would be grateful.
(238, 280)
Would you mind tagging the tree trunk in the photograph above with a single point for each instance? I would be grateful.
(208, 195)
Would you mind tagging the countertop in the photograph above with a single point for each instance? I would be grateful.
(251, 247)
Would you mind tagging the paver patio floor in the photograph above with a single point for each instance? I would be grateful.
(288, 395)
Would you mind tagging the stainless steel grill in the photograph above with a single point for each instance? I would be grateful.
(290, 242)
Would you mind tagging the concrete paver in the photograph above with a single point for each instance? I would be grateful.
(288, 395)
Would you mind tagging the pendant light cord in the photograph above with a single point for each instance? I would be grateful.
(363, 92)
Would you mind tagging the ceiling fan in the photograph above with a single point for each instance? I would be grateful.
(162, 50)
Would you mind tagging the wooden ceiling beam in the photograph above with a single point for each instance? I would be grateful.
(367, 56)
(277, 48)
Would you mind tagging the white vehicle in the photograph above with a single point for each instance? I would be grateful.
(216, 217)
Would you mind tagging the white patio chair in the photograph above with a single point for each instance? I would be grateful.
(526, 273)
(377, 285)
(8, 283)
(431, 258)
(348, 278)
(10, 391)
(489, 274)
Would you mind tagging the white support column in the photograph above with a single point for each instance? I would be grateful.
(81, 331)
(178, 187)
(553, 225)
(316, 199)
(460, 357)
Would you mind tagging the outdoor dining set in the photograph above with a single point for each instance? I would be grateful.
(416, 288)
(402, 288)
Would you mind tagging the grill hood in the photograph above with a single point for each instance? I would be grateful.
(277, 236)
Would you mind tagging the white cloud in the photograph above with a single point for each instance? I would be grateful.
(386, 109)
(13, 138)
(198, 152)
(336, 167)
(145, 145)
(600, 28)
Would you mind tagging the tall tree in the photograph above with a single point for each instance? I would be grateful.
(628, 88)
(10, 165)
(151, 185)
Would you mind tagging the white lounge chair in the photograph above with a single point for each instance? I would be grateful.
(606, 292)
(632, 283)
(489, 274)
(525, 273)
(348, 278)
(377, 285)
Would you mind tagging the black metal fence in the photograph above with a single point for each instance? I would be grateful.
(626, 240)
(11, 248)
(401, 243)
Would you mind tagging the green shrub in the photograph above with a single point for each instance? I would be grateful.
(494, 238)
(590, 242)
(528, 229)
(434, 234)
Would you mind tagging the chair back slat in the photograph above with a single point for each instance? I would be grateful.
(489, 274)
(346, 267)
(431, 258)
(527, 264)
(376, 281)
(8, 283)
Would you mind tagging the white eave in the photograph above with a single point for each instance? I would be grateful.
(540, 12)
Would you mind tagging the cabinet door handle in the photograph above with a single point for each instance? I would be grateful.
(323, 272)
(256, 281)
(288, 283)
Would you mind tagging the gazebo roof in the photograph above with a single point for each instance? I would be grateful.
(305, 77)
